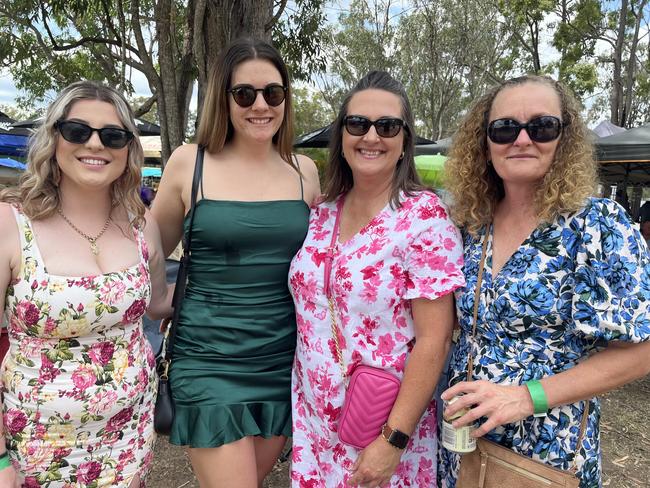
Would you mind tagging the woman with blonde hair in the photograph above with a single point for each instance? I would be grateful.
(80, 261)
(231, 361)
(562, 312)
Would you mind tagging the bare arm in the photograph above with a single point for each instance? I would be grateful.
(606, 370)
(169, 207)
(433, 321)
(9, 261)
(160, 305)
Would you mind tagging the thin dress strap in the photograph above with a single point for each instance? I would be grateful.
(23, 228)
(302, 191)
(28, 248)
(201, 180)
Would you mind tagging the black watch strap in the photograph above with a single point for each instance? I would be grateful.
(394, 437)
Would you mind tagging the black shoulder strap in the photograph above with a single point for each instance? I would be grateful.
(183, 268)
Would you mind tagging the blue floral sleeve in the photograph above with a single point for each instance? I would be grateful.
(612, 276)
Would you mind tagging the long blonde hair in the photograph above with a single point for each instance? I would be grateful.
(475, 186)
(38, 190)
(215, 127)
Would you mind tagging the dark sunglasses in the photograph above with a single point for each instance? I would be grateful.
(245, 95)
(540, 129)
(79, 133)
(356, 125)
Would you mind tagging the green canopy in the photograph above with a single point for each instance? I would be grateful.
(431, 169)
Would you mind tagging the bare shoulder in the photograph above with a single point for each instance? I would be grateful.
(182, 158)
(310, 174)
(176, 178)
(10, 242)
(8, 225)
(307, 166)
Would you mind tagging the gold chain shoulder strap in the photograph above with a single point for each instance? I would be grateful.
(327, 268)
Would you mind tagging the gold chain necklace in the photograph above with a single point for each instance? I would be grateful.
(92, 240)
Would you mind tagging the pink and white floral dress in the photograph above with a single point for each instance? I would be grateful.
(78, 381)
(410, 252)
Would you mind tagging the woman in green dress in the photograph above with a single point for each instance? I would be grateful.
(231, 364)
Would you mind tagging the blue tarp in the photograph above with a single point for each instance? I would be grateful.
(13, 145)
(12, 163)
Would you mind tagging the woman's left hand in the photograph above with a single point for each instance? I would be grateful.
(375, 465)
(500, 404)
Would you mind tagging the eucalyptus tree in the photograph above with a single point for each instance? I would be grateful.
(46, 44)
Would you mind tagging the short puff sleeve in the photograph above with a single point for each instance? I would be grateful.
(434, 255)
(612, 276)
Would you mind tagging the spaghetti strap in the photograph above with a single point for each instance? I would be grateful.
(200, 175)
(302, 191)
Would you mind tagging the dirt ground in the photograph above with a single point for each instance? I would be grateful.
(625, 444)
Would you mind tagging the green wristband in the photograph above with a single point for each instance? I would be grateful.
(4, 461)
(538, 395)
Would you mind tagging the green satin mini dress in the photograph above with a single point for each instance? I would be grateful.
(231, 366)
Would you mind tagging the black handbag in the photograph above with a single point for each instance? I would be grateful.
(163, 415)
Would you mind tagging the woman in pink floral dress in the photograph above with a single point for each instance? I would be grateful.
(80, 261)
(396, 260)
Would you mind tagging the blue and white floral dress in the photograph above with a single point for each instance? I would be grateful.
(571, 288)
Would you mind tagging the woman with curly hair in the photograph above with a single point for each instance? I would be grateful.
(80, 261)
(563, 301)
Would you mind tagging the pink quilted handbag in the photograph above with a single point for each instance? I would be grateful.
(368, 401)
(371, 392)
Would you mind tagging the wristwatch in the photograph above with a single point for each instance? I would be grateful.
(394, 437)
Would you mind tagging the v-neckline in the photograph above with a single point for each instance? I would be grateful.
(354, 236)
(490, 236)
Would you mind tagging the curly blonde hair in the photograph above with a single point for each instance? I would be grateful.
(38, 190)
(475, 186)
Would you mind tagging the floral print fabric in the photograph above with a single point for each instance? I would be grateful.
(401, 254)
(570, 288)
(78, 381)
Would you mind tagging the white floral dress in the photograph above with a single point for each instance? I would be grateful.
(410, 252)
(78, 381)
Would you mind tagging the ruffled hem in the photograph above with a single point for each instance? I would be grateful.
(216, 425)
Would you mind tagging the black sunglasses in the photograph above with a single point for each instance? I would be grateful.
(540, 129)
(245, 95)
(357, 125)
(79, 133)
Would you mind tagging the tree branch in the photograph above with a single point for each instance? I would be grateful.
(276, 17)
(146, 106)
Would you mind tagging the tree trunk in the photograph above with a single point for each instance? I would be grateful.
(626, 119)
(617, 82)
(223, 22)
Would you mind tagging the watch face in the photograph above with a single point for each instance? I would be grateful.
(399, 439)
(395, 437)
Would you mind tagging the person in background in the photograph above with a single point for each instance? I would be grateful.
(397, 258)
(231, 366)
(80, 261)
(563, 305)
